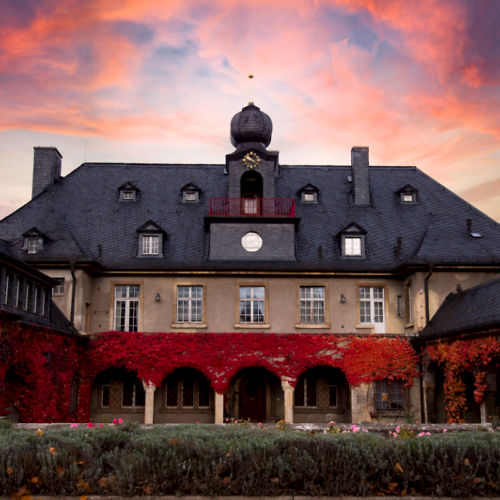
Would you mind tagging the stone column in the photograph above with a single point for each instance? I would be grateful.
(361, 403)
(149, 409)
(288, 392)
(219, 408)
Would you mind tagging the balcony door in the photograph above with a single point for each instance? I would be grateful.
(251, 189)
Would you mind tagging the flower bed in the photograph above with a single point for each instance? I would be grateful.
(127, 460)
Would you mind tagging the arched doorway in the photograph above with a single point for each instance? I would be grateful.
(255, 394)
(186, 397)
(251, 190)
(117, 393)
(322, 394)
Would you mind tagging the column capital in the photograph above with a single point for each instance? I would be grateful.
(285, 385)
(148, 386)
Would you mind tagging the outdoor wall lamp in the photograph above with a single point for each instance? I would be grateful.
(157, 297)
(343, 298)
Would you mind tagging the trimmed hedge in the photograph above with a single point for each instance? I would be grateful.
(213, 460)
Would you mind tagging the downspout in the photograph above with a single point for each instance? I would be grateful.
(423, 398)
(73, 292)
(426, 289)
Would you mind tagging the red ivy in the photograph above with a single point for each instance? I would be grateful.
(50, 362)
(458, 357)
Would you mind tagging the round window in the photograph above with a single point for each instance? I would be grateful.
(251, 242)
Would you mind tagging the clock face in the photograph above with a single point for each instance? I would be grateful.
(251, 242)
(251, 159)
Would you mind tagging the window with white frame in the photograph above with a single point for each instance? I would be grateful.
(389, 395)
(408, 304)
(7, 288)
(312, 304)
(252, 304)
(189, 303)
(150, 244)
(59, 288)
(133, 394)
(371, 304)
(32, 245)
(127, 308)
(353, 246)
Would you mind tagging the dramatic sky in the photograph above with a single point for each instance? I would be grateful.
(418, 81)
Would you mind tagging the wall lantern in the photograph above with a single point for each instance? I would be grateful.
(157, 297)
(343, 298)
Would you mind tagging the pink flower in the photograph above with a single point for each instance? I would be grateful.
(445, 430)
(115, 421)
(398, 429)
(120, 420)
(365, 430)
(197, 422)
(100, 425)
(331, 422)
(354, 428)
(227, 419)
(73, 426)
(420, 434)
(90, 424)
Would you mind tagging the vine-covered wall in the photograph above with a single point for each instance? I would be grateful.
(475, 356)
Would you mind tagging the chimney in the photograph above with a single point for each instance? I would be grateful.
(360, 176)
(46, 168)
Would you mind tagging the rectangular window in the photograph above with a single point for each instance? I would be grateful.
(19, 294)
(59, 288)
(400, 306)
(408, 304)
(189, 303)
(35, 298)
(127, 308)
(150, 244)
(371, 304)
(27, 297)
(194, 392)
(305, 392)
(128, 195)
(250, 206)
(105, 395)
(32, 245)
(312, 304)
(352, 246)
(171, 392)
(252, 304)
(7, 289)
(42, 302)
(332, 396)
(133, 394)
(389, 395)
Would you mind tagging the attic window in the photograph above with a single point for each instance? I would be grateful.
(407, 195)
(33, 241)
(127, 192)
(190, 194)
(150, 242)
(352, 239)
(309, 194)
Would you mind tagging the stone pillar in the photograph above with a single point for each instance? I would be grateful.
(361, 403)
(288, 393)
(149, 408)
(219, 408)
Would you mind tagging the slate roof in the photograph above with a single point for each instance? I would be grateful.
(474, 310)
(85, 222)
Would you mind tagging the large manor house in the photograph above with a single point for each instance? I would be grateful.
(247, 290)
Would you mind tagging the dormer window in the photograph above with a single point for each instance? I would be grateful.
(190, 193)
(33, 241)
(309, 194)
(352, 240)
(407, 195)
(127, 192)
(150, 240)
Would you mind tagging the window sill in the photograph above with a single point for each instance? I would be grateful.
(387, 413)
(409, 325)
(316, 326)
(365, 326)
(258, 326)
(189, 325)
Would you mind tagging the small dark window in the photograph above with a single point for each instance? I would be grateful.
(105, 395)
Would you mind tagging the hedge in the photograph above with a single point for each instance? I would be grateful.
(128, 460)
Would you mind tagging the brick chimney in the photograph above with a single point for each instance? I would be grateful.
(360, 176)
(46, 168)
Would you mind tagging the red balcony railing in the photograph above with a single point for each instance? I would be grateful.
(252, 207)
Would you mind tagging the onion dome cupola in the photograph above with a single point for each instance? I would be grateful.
(251, 125)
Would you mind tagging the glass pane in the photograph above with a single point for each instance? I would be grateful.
(127, 393)
(299, 392)
(203, 392)
(311, 391)
(105, 395)
(187, 391)
(140, 395)
(259, 292)
(171, 391)
(333, 395)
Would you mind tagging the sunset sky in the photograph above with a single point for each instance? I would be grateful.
(418, 81)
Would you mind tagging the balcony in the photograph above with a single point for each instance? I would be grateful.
(252, 207)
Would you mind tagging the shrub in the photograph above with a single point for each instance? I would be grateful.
(232, 460)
